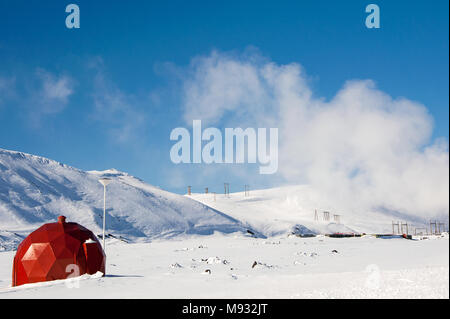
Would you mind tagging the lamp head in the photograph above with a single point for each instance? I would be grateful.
(105, 181)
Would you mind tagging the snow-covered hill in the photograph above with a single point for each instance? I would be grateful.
(289, 209)
(35, 190)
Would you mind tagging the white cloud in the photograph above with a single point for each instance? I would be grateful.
(40, 94)
(52, 93)
(114, 108)
(7, 88)
(362, 149)
(220, 84)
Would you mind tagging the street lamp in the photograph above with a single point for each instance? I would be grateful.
(104, 182)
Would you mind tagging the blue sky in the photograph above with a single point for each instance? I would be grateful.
(138, 52)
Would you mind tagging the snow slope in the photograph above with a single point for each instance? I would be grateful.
(35, 190)
(292, 209)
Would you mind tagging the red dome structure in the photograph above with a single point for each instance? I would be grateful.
(45, 254)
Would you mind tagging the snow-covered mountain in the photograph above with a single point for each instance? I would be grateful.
(35, 190)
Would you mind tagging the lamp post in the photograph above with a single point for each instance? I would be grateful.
(104, 182)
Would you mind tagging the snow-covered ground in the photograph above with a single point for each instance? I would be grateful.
(286, 267)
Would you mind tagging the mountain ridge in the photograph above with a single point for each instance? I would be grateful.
(35, 190)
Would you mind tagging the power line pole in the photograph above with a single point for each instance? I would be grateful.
(226, 189)
(398, 228)
(337, 218)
